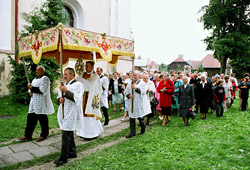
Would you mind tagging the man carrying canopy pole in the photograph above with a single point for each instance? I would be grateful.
(40, 105)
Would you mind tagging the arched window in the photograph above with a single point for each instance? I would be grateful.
(68, 14)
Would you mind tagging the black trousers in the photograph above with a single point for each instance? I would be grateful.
(32, 119)
(244, 103)
(105, 113)
(68, 145)
(132, 125)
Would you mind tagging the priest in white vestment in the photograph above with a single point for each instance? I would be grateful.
(69, 114)
(40, 105)
(91, 103)
(136, 94)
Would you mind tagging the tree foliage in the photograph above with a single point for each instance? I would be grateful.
(48, 15)
(179, 67)
(228, 21)
(200, 69)
(163, 67)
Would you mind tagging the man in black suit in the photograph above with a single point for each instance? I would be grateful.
(193, 81)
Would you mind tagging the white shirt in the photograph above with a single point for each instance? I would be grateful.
(203, 84)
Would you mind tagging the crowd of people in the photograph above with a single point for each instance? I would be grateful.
(140, 95)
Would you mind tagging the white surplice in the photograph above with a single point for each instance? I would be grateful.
(140, 108)
(72, 109)
(92, 125)
(104, 97)
(41, 103)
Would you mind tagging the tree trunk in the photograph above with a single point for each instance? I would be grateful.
(223, 63)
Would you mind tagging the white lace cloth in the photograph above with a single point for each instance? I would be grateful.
(41, 103)
(140, 102)
(73, 114)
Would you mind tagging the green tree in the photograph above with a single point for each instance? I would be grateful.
(179, 67)
(48, 15)
(200, 69)
(163, 67)
(228, 21)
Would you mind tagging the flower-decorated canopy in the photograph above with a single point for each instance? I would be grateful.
(73, 43)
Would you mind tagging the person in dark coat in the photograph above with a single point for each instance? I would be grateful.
(193, 81)
(166, 90)
(186, 100)
(244, 86)
(204, 96)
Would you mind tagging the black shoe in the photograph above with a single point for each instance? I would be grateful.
(72, 156)
(59, 162)
(130, 135)
(142, 131)
(106, 123)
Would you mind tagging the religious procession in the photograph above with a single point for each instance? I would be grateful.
(142, 95)
(124, 84)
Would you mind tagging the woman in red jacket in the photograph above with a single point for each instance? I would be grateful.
(166, 90)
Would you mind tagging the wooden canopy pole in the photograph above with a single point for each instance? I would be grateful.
(60, 27)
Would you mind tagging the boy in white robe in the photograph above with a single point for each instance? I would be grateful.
(91, 104)
(40, 106)
(69, 114)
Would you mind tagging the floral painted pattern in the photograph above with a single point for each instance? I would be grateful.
(96, 102)
(74, 39)
(106, 45)
(36, 43)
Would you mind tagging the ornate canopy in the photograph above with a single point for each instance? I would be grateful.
(73, 43)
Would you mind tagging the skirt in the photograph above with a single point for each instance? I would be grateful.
(184, 111)
(166, 111)
(204, 108)
(117, 98)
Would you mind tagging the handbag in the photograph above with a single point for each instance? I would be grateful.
(154, 102)
(173, 101)
(191, 113)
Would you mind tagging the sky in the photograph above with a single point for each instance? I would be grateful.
(164, 29)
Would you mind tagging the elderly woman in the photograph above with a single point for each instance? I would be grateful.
(150, 92)
(115, 87)
(204, 95)
(186, 100)
(177, 83)
(166, 90)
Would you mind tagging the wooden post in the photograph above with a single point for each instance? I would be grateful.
(132, 84)
(60, 27)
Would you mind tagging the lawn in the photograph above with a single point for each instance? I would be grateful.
(13, 119)
(215, 143)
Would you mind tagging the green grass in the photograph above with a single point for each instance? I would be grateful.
(54, 156)
(14, 126)
(216, 143)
